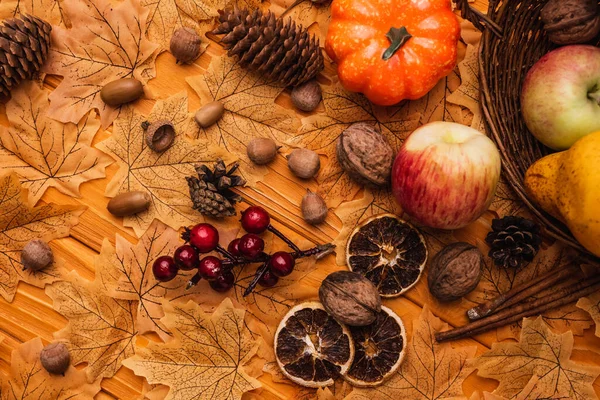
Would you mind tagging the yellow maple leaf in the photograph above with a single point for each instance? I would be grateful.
(44, 152)
(107, 42)
(28, 380)
(20, 223)
(168, 15)
(49, 10)
(207, 357)
(538, 366)
(101, 329)
(431, 370)
(250, 111)
(126, 272)
(162, 175)
(591, 304)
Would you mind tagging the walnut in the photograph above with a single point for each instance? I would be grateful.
(455, 271)
(350, 298)
(571, 21)
(365, 155)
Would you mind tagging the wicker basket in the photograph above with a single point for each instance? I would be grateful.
(512, 42)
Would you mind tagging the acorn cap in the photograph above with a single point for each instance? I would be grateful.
(159, 134)
(185, 45)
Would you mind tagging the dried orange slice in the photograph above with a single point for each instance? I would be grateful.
(379, 349)
(389, 251)
(311, 347)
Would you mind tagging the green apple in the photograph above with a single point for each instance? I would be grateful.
(560, 98)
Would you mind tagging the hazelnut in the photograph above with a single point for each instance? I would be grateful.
(185, 45)
(304, 163)
(209, 113)
(350, 298)
(365, 155)
(262, 150)
(455, 271)
(36, 255)
(314, 208)
(55, 358)
(307, 96)
(159, 135)
(571, 21)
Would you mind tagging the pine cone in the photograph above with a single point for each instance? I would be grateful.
(284, 52)
(211, 191)
(24, 45)
(513, 240)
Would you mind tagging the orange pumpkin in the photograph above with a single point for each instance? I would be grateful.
(392, 50)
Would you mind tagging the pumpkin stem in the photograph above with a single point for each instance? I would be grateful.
(398, 37)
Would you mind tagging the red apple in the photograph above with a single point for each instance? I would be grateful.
(445, 175)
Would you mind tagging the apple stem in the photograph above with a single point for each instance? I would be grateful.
(595, 96)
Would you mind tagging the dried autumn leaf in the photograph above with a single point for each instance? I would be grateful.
(506, 201)
(126, 271)
(250, 111)
(496, 280)
(20, 223)
(101, 329)
(168, 15)
(162, 175)
(206, 359)
(107, 42)
(320, 133)
(431, 370)
(28, 380)
(306, 13)
(51, 11)
(44, 152)
(538, 366)
(591, 305)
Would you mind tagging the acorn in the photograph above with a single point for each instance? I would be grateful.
(314, 208)
(55, 358)
(307, 96)
(129, 203)
(121, 91)
(304, 163)
(262, 150)
(209, 114)
(159, 135)
(36, 255)
(185, 45)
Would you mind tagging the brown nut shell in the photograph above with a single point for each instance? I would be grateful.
(55, 358)
(36, 255)
(185, 45)
(209, 114)
(160, 135)
(365, 155)
(121, 91)
(304, 163)
(128, 203)
(307, 96)
(455, 271)
(262, 150)
(350, 298)
(571, 21)
(314, 208)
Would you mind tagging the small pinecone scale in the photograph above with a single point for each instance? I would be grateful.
(211, 191)
(514, 241)
(24, 45)
(277, 48)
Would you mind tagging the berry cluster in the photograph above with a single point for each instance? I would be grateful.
(204, 238)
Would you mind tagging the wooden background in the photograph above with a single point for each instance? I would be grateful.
(31, 313)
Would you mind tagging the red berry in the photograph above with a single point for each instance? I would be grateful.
(186, 258)
(204, 237)
(251, 245)
(223, 283)
(234, 248)
(210, 268)
(268, 279)
(282, 263)
(255, 219)
(164, 269)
